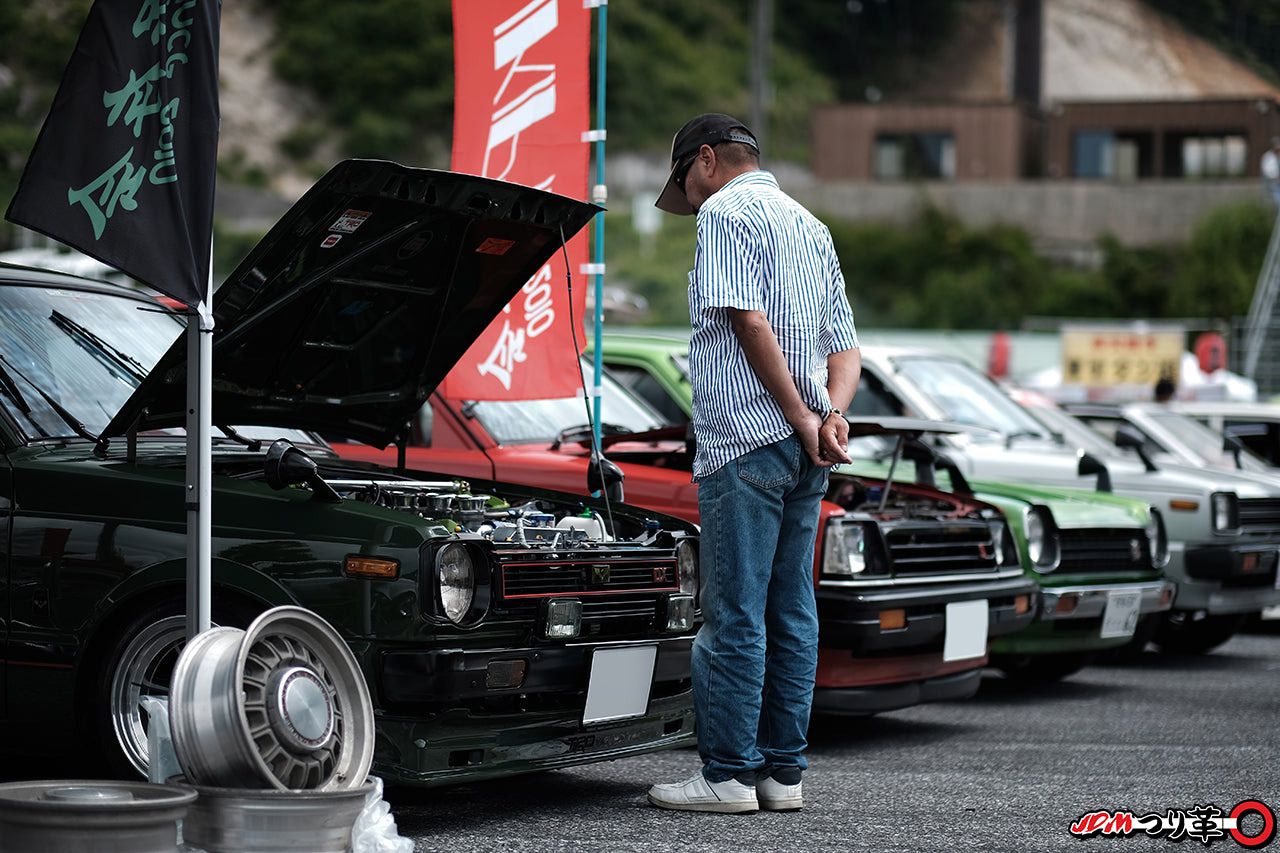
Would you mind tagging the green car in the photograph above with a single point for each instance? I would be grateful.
(500, 629)
(1098, 557)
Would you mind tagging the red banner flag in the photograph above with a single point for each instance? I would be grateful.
(125, 164)
(520, 111)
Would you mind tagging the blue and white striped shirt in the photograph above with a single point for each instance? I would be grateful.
(759, 250)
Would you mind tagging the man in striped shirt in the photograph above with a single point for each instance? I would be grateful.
(774, 360)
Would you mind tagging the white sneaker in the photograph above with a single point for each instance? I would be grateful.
(696, 794)
(774, 796)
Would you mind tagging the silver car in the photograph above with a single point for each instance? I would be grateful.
(1223, 526)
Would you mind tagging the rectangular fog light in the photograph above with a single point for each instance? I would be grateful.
(561, 618)
(679, 613)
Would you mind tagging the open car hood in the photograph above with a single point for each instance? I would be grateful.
(353, 308)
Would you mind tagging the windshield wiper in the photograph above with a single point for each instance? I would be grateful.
(11, 388)
(100, 347)
(61, 410)
(584, 433)
(1010, 438)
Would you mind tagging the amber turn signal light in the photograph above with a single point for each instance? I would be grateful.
(892, 619)
(370, 567)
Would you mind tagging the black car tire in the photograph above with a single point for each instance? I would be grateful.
(1193, 632)
(140, 663)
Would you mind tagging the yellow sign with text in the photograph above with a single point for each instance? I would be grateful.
(1101, 357)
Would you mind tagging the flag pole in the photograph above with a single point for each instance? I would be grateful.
(599, 195)
(199, 489)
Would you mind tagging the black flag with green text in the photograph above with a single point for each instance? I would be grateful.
(124, 167)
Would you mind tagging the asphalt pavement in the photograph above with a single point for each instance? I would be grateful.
(1011, 769)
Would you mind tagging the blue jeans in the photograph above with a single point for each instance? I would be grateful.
(756, 654)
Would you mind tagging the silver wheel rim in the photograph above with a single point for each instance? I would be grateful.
(281, 705)
(144, 669)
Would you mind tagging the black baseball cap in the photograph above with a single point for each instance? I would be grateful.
(706, 129)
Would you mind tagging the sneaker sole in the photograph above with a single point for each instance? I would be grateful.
(790, 804)
(718, 806)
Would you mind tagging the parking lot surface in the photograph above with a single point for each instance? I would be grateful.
(1010, 770)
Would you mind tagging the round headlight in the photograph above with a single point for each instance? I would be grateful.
(687, 564)
(456, 577)
(1042, 540)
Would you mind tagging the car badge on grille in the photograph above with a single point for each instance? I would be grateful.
(984, 550)
(600, 574)
(659, 574)
(1135, 550)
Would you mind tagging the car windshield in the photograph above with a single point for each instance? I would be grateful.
(1075, 432)
(81, 351)
(1206, 443)
(965, 396)
(531, 421)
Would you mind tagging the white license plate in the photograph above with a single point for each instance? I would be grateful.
(620, 683)
(967, 624)
(1120, 618)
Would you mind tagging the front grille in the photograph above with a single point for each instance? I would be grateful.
(931, 549)
(587, 577)
(1259, 515)
(1103, 551)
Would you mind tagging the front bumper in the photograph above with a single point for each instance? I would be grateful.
(457, 714)
(853, 686)
(463, 746)
(1237, 565)
(1072, 618)
(1089, 601)
(436, 677)
(850, 617)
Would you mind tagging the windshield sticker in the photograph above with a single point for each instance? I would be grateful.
(495, 246)
(330, 241)
(350, 221)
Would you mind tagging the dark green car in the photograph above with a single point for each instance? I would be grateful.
(1097, 557)
(500, 629)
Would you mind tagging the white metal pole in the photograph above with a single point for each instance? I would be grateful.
(198, 492)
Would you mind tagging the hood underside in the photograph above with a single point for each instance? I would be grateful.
(353, 308)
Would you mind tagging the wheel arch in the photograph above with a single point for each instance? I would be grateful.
(235, 589)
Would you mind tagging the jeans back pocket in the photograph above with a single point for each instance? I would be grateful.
(773, 465)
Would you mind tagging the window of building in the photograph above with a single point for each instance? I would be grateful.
(1212, 156)
(1107, 155)
(914, 156)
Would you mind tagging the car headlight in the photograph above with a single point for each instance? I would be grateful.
(687, 566)
(456, 581)
(1226, 512)
(1157, 538)
(1043, 547)
(851, 549)
(1003, 543)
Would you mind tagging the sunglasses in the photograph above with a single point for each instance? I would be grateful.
(682, 171)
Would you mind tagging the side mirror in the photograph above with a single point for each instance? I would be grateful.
(1127, 436)
(1090, 464)
(288, 466)
(604, 476)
